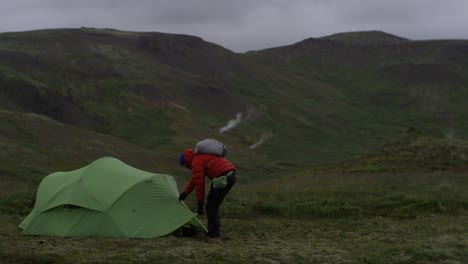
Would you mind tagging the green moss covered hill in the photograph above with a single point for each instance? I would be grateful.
(68, 96)
(410, 152)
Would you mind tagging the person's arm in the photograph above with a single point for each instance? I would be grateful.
(198, 179)
(189, 187)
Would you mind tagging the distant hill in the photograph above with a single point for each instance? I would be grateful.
(413, 151)
(366, 37)
(319, 100)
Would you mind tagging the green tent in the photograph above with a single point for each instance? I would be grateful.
(107, 198)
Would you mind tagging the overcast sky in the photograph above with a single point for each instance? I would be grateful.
(242, 25)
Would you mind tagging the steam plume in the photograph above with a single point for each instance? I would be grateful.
(262, 140)
(232, 123)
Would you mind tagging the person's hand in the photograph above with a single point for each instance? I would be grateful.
(182, 196)
(200, 209)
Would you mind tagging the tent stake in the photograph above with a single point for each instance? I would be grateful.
(198, 220)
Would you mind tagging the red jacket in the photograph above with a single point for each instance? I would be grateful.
(203, 165)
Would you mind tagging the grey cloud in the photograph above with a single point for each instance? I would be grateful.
(245, 24)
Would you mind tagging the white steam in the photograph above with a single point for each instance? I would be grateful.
(262, 140)
(232, 123)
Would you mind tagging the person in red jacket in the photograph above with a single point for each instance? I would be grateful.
(221, 172)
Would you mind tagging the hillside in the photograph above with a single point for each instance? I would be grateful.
(317, 101)
(367, 37)
(33, 146)
(412, 151)
(389, 194)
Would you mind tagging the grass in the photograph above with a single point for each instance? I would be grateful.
(309, 96)
(320, 102)
(336, 195)
(304, 218)
(265, 240)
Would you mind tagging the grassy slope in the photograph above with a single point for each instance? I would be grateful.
(309, 217)
(145, 88)
(412, 151)
(34, 146)
(426, 240)
(349, 96)
(314, 218)
(165, 92)
(399, 83)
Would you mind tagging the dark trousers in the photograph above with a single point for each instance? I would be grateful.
(215, 198)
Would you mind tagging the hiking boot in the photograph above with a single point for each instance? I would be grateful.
(214, 240)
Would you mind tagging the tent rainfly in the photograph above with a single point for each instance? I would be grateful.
(107, 198)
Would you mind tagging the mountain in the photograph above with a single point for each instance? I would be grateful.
(316, 101)
(367, 37)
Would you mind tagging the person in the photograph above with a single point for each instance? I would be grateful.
(221, 172)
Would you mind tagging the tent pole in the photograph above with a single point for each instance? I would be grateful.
(198, 220)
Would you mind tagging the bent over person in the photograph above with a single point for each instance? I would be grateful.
(220, 171)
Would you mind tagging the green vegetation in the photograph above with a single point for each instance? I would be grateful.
(412, 151)
(306, 218)
(353, 91)
(339, 178)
